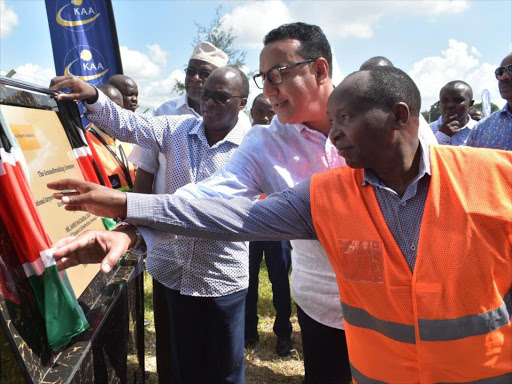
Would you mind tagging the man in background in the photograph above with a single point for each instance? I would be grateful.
(277, 260)
(495, 131)
(455, 124)
(128, 89)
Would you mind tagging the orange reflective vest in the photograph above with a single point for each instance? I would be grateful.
(449, 320)
(118, 171)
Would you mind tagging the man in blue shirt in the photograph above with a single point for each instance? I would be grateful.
(496, 130)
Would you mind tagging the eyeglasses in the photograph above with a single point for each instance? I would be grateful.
(218, 97)
(191, 72)
(275, 75)
(500, 71)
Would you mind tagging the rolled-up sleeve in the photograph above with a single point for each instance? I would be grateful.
(281, 216)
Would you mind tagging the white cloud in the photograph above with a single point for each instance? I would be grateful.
(8, 20)
(253, 20)
(33, 73)
(454, 63)
(157, 54)
(139, 65)
(475, 52)
(158, 91)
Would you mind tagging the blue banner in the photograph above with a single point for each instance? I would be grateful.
(84, 39)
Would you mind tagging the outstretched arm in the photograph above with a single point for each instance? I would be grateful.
(280, 216)
(148, 131)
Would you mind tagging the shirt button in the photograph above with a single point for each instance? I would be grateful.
(413, 247)
(403, 203)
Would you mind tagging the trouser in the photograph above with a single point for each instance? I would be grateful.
(325, 352)
(207, 338)
(162, 333)
(278, 261)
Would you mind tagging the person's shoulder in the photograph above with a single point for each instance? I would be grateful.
(168, 107)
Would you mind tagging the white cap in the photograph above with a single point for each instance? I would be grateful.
(209, 53)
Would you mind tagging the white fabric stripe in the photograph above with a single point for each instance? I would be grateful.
(47, 257)
(80, 152)
(34, 268)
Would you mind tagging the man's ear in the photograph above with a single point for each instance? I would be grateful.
(401, 114)
(243, 103)
(321, 68)
(471, 102)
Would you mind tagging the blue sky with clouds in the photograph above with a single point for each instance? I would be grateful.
(434, 41)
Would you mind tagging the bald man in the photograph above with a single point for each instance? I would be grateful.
(128, 89)
(455, 124)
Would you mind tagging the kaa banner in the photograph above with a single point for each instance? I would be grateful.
(84, 39)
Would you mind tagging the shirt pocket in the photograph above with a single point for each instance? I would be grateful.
(362, 261)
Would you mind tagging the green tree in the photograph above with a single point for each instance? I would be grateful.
(432, 114)
(494, 107)
(219, 36)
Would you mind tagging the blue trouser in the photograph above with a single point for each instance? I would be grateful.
(207, 338)
(325, 352)
(278, 260)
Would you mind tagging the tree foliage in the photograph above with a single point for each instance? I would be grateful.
(222, 38)
(494, 107)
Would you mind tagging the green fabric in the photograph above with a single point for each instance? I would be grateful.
(108, 223)
(64, 318)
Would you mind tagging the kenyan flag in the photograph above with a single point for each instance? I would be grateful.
(55, 299)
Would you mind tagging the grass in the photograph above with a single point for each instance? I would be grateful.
(262, 364)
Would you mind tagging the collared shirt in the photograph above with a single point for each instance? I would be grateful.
(495, 131)
(195, 268)
(284, 215)
(458, 138)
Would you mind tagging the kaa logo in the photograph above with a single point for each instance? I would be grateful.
(76, 15)
(90, 65)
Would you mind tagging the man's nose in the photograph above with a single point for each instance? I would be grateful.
(269, 89)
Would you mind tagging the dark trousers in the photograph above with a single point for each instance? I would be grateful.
(207, 338)
(162, 333)
(325, 352)
(278, 260)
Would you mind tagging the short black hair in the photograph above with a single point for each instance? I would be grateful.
(245, 81)
(376, 62)
(454, 83)
(312, 39)
(389, 85)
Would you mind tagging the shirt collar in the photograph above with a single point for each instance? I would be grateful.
(506, 109)
(234, 136)
(371, 178)
(182, 101)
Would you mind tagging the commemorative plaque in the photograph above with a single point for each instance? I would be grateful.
(49, 139)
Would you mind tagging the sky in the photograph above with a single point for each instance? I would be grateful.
(433, 41)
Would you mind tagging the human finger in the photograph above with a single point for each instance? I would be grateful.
(70, 184)
(63, 264)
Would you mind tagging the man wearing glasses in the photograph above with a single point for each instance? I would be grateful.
(206, 281)
(495, 131)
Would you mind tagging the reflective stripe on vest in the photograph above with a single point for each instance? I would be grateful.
(453, 329)
(433, 330)
(361, 318)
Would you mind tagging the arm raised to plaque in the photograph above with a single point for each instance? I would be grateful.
(153, 132)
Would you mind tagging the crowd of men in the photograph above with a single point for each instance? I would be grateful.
(400, 221)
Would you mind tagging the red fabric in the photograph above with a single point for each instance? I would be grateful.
(20, 216)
